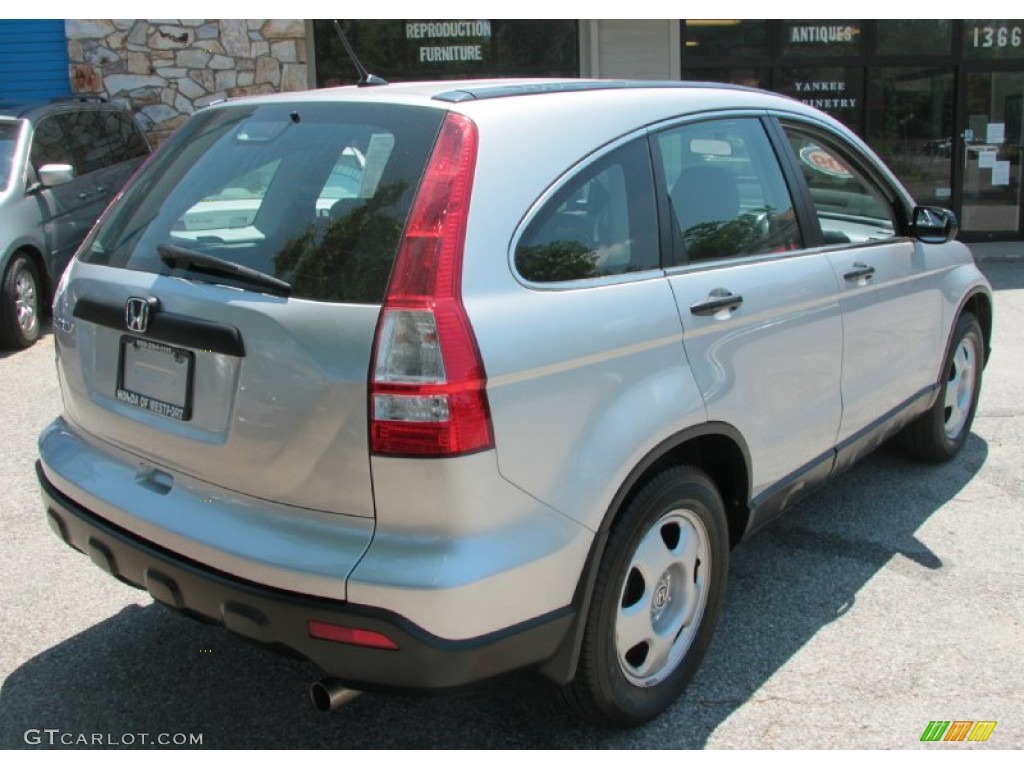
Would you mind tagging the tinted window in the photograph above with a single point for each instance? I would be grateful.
(49, 145)
(442, 49)
(314, 194)
(125, 137)
(727, 190)
(603, 222)
(8, 139)
(725, 38)
(914, 37)
(92, 145)
(850, 208)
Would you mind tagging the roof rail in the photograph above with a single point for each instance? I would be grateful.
(470, 93)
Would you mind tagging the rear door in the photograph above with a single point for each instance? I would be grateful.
(890, 287)
(222, 377)
(760, 314)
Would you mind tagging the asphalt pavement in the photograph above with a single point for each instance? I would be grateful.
(892, 598)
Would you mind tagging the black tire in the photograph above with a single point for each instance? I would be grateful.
(677, 520)
(940, 433)
(20, 303)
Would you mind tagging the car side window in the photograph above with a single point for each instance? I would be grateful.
(126, 139)
(49, 145)
(849, 207)
(727, 190)
(602, 222)
(96, 142)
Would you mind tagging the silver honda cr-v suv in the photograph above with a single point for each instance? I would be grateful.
(432, 382)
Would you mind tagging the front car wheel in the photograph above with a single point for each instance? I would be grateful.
(940, 433)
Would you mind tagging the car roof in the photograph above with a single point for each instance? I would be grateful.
(637, 102)
(32, 109)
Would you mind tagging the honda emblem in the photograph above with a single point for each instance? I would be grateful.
(136, 315)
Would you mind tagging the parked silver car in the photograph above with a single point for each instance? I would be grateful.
(61, 163)
(511, 399)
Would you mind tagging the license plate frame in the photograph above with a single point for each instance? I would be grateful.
(155, 377)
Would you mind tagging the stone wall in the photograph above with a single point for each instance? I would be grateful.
(164, 69)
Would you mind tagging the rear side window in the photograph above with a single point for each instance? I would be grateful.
(602, 222)
(125, 137)
(727, 190)
(313, 194)
(850, 208)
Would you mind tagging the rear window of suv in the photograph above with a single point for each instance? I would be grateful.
(313, 194)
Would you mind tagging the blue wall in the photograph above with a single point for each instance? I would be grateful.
(33, 59)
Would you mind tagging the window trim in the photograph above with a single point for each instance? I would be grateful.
(557, 187)
(675, 256)
(63, 138)
(900, 203)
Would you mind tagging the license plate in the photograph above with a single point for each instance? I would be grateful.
(156, 378)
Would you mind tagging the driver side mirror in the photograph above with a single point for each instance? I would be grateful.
(933, 225)
(55, 174)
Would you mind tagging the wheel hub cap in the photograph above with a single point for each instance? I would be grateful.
(663, 598)
(960, 388)
(25, 303)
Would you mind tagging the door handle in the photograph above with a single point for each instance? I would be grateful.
(860, 271)
(100, 190)
(718, 299)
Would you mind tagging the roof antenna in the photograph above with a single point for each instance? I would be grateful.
(365, 78)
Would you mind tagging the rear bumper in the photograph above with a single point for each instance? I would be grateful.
(279, 618)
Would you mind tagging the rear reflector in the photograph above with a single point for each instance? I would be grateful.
(351, 636)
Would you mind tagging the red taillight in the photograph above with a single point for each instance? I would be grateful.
(427, 381)
(351, 636)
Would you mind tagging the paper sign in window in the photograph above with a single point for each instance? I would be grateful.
(1001, 173)
(987, 158)
(995, 133)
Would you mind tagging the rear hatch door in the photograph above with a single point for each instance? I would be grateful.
(224, 310)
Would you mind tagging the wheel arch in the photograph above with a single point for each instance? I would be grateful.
(716, 448)
(979, 303)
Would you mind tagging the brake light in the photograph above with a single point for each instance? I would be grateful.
(427, 381)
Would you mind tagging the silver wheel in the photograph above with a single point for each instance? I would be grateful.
(960, 387)
(663, 598)
(26, 302)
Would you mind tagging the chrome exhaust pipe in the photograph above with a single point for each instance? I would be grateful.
(329, 694)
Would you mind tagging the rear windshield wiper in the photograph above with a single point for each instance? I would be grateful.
(176, 257)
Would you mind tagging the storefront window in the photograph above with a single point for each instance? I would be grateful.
(725, 38)
(914, 37)
(911, 113)
(753, 77)
(992, 151)
(821, 37)
(839, 91)
(443, 49)
(994, 38)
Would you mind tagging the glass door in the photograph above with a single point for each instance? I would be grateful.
(991, 154)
